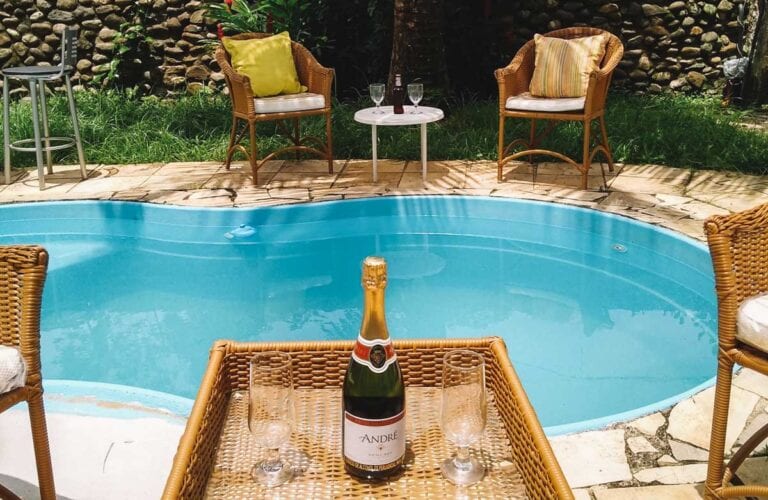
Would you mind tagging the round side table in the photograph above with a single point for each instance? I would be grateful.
(385, 117)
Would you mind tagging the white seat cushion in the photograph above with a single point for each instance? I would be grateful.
(526, 102)
(13, 371)
(288, 103)
(752, 322)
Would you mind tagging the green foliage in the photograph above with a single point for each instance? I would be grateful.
(673, 131)
(132, 52)
(240, 17)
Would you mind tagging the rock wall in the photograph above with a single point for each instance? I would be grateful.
(670, 45)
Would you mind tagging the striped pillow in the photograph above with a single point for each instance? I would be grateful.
(562, 67)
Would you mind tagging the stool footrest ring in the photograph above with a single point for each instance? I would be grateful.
(63, 143)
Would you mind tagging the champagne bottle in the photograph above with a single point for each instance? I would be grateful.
(398, 95)
(373, 425)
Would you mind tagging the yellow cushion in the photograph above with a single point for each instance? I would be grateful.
(562, 67)
(267, 62)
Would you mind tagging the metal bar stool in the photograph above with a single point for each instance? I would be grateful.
(37, 76)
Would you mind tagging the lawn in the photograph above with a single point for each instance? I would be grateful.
(675, 131)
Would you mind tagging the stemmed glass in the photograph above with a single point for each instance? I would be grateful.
(271, 414)
(463, 414)
(377, 95)
(415, 94)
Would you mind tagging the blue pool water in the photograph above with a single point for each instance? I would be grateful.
(601, 315)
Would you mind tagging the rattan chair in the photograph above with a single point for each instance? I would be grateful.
(22, 276)
(514, 81)
(318, 80)
(738, 244)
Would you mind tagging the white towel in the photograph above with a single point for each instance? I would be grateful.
(13, 371)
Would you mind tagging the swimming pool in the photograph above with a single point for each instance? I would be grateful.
(604, 317)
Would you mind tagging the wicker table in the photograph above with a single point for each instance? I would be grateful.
(385, 116)
(216, 452)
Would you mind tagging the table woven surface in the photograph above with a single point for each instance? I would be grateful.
(315, 452)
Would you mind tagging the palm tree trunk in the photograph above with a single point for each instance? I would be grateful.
(418, 49)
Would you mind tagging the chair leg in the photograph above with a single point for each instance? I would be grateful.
(604, 133)
(231, 146)
(46, 130)
(501, 145)
(719, 425)
(585, 155)
(6, 130)
(36, 130)
(329, 141)
(253, 152)
(76, 127)
(532, 140)
(42, 448)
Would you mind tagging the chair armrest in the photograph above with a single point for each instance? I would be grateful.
(320, 81)
(515, 78)
(239, 85)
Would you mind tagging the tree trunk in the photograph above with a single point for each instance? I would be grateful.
(418, 49)
(756, 79)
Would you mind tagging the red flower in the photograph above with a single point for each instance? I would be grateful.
(228, 2)
(220, 31)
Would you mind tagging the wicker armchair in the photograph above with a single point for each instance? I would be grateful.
(514, 80)
(22, 275)
(738, 244)
(316, 78)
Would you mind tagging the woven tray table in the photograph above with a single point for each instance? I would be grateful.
(216, 452)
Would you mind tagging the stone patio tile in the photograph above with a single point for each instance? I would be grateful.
(383, 166)
(757, 423)
(673, 474)
(209, 198)
(29, 187)
(473, 191)
(169, 197)
(130, 195)
(289, 193)
(629, 200)
(577, 194)
(135, 169)
(358, 179)
(236, 180)
(648, 424)
(665, 460)
(310, 166)
(271, 166)
(711, 181)
(690, 227)
(700, 211)
(581, 494)
(602, 451)
(639, 444)
(691, 420)
(754, 471)
(300, 180)
(102, 184)
(685, 452)
(438, 166)
(444, 180)
(677, 492)
(734, 202)
(752, 381)
(484, 178)
(672, 199)
(178, 182)
(190, 168)
(650, 179)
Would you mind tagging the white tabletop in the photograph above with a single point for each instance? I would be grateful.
(386, 117)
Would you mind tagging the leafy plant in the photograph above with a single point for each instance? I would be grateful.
(239, 16)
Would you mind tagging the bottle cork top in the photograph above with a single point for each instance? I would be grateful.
(374, 272)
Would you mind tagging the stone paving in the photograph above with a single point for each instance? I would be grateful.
(662, 455)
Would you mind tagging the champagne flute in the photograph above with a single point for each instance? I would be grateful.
(271, 414)
(463, 414)
(377, 95)
(415, 94)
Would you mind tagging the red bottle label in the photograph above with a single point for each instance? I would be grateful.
(377, 355)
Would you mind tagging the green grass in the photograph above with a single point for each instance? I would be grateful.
(674, 131)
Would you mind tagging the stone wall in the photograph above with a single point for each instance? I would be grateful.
(677, 45)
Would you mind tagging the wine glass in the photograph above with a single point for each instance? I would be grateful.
(271, 414)
(463, 414)
(415, 94)
(377, 95)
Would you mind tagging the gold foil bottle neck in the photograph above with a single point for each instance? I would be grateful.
(374, 272)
